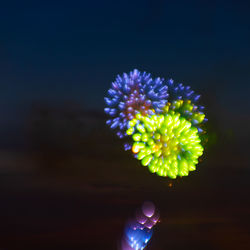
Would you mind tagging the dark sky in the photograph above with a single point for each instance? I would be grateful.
(72, 50)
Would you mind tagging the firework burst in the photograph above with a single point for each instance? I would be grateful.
(185, 101)
(161, 120)
(168, 144)
(134, 93)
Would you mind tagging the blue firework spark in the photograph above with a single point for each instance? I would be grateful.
(139, 230)
(179, 92)
(137, 237)
(134, 93)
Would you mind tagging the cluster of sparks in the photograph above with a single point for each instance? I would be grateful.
(161, 122)
(132, 93)
(139, 230)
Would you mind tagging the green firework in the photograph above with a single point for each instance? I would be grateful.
(188, 110)
(168, 144)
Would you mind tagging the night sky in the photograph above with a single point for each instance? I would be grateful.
(63, 183)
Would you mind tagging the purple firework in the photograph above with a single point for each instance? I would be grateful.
(181, 92)
(134, 93)
(185, 93)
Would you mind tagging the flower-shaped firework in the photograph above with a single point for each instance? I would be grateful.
(167, 144)
(134, 93)
(184, 100)
(163, 120)
(187, 110)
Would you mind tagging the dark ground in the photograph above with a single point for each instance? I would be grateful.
(73, 190)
